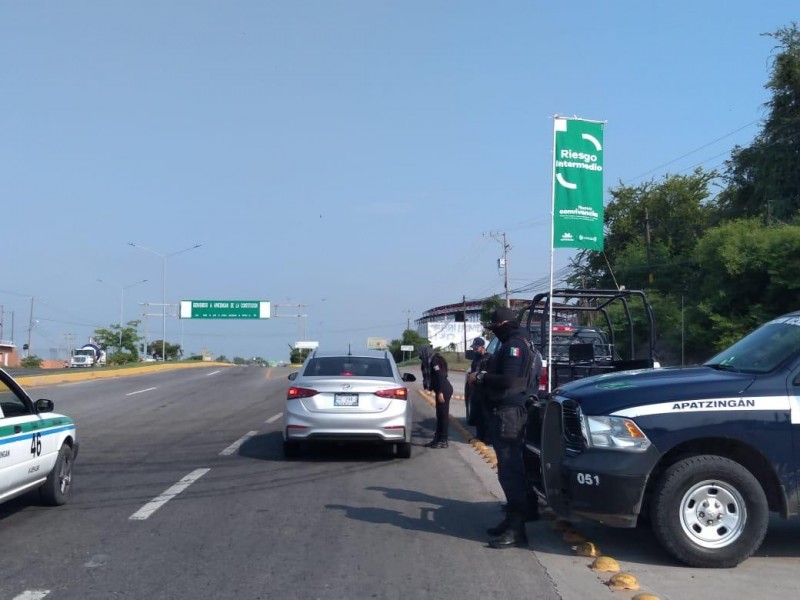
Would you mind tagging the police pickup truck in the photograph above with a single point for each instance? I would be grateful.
(703, 453)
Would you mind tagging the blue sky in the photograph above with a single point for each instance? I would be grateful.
(350, 156)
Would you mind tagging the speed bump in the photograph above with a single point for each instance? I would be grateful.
(623, 581)
(587, 549)
(605, 564)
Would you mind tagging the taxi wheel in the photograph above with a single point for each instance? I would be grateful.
(56, 489)
(709, 511)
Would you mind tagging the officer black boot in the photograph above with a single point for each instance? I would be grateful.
(513, 537)
(441, 443)
(433, 442)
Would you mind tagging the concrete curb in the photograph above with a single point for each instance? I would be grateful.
(69, 375)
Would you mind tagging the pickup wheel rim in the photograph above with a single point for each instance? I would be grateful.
(713, 514)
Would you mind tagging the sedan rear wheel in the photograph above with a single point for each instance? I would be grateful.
(291, 449)
(403, 450)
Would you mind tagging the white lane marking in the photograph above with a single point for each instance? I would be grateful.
(273, 419)
(141, 391)
(212, 373)
(235, 445)
(32, 595)
(152, 506)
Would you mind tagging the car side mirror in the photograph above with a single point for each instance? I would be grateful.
(470, 355)
(44, 405)
(293, 375)
(409, 377)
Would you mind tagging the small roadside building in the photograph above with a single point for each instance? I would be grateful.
(8, 354)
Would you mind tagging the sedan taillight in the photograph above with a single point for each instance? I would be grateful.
(396, 393)
(298, 392)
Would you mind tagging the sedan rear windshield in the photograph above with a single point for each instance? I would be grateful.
(348, 366)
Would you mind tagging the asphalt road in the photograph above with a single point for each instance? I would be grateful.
(338, 523)
(181, 491)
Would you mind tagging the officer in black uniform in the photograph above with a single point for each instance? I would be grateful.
(508, 384)
(479, 414)
(442, 391)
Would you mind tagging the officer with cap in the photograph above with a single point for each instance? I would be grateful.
(507, 384)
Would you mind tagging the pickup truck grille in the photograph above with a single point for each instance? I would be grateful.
(571, 423)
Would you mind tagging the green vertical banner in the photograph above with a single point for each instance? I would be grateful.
(578, 184)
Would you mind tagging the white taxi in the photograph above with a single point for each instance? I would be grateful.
(37, 446)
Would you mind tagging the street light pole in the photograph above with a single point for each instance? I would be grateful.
(164, 257)
(122, 289)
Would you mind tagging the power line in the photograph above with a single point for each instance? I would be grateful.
(682, 156)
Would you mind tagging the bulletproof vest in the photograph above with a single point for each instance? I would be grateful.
(518, 392)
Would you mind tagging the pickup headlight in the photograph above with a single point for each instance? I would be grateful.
(614, 433)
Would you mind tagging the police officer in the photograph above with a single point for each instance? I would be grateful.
(507, 383)
(474, 392)
(442, 390)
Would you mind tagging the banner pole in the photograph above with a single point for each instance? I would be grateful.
(552, 253)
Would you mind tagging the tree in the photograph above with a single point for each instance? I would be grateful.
(173, 351)
(125, 352)
(298, 355)
(488, 306)
(409, 338)
(31, 362)
(764, 177)
(751, 274)
(651, 231)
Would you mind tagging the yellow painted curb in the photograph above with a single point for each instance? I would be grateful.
(69, 375)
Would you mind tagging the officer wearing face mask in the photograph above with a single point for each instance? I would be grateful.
(507, 383)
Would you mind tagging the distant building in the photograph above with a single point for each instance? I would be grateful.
(440, 326)
(8, 354)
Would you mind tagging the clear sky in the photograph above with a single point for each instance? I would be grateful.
(348, 155)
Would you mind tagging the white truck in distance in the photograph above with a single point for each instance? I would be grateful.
(88, 355)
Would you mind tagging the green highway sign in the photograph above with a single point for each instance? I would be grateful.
(225, 309)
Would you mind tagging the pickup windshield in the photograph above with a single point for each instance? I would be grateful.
(764, 350)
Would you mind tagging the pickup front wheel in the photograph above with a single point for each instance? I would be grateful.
(709, 511)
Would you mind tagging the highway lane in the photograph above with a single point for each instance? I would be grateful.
(338, 523)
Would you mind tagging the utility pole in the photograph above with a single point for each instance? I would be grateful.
(503, 262)
(408, 319)
(30, 328)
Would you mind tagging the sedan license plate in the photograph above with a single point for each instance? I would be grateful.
(345, 400)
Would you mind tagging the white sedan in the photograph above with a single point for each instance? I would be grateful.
(351, 398)
(37, 446)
